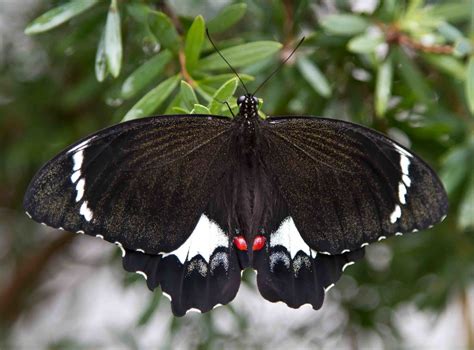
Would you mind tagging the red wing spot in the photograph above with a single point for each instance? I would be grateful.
(258, 242)
(240, 242)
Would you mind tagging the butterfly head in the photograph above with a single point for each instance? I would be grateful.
(248, 105)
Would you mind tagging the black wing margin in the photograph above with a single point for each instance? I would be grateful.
(142, 184)
(346, 185)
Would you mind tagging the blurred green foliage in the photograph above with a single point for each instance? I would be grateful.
(405, 68)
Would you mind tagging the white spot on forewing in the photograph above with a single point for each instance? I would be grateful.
(216, 306)
(75, 176)
(404, 164)
(381, 238)
(142, 274)
(80, 231)
(80, 189)
(345, 251)
(401, 150)
(347, 265)
(406, 180)
(402, 192)
(78, 158)
(86, 211)
(100, 236)
(398, 234)
(396, 214)
(205, 238)
(121, 248)
(288, 236)
(82, 145)
(28, 214)
(140, 250)
(364, 245)
(167, 295)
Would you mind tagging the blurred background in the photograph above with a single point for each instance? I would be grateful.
(405, 68)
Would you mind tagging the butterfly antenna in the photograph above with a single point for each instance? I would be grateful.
(220, 54)
(281, 65)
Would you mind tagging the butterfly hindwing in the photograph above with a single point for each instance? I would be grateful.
(202, 273)
(143, 184)
(346, 185)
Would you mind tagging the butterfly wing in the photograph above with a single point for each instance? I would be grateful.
(346, 185)
(288, 269)
(143, 183)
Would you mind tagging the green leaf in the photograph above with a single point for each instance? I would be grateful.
(447, 64)
(222, 94)
(58, 16)
(466, 209)
(364, 43)
(227, 17)
(450, 12)
(240, 55)
(383, 86)
(219, 79)
(413, 77)
(193, 43)
(470, 84)
(345, 24)
(164, 30)
(180, 110)
(113, 40)
(153, 99)
(188, 96)
(144, 74)
(455, 168)
(313, 75)
(200, 109)
(463, 47)
(100, 60)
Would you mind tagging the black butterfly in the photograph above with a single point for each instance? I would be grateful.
(192, 200)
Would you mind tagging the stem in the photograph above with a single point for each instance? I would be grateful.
(25, 278)
(466, 313)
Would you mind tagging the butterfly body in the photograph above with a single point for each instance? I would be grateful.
(192, 200)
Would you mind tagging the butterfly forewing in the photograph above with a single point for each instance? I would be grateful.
(143, 184)
(346, 185)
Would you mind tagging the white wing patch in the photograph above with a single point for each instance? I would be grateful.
(80, 183)
(404, 184)
(206, 237)
(288, 236)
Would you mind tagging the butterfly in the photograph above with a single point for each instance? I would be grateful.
(193, 200)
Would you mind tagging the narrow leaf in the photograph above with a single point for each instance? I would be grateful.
(153, 99)
(193, 43)
(240, 55)
(222, 94)
(454, 168)
(383, 86)
(470, 84)
(164, 30)
(100, 60)
(180, 110)
(313, 75)
(364, 43)
(410, 73)
(200, 109)
(145, 74)
(466, 209)
(345, 24)
(188, 96)
(447, 64)
(58, 16)
(113, 40)
(227, 17)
